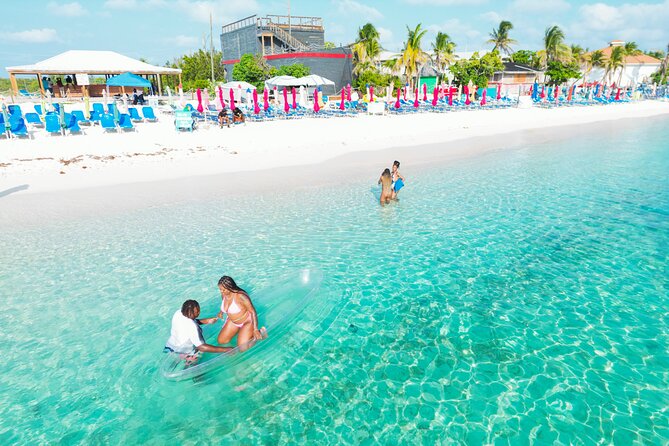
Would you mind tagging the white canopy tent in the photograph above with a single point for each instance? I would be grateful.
(89, 62)
(314, 80)
(281, 81)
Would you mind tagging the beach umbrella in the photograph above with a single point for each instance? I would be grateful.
(597, 90)
(181, 95)
(256, 109)
(341, 103)
(404, 92)
(115, 113)
(618, 95)
(397, 102)
(543, 92)
(557, 93)
(499, 91)
(294, 92)
(303, 96)
(424, 92)
(63, 124)
(169, 95)
(348, 92)
(467, 101)
(415, 98)
(220, 98)
(450, 96)
(232, 99)
(371, 94)
(483, 96)
(205, 99)
(316, 106)
(200, 109)
(535, 92)
(105, 96)
(571, 90)
(286, 107)
(265, 99)
(435, 96)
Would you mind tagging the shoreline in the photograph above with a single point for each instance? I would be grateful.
(36, 208)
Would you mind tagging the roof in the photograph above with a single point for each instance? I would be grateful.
(512, 67)
(640, 59)
(91, 62)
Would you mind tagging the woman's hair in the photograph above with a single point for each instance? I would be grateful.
(189, 307)
(229, 284)
(386, 173)
(396, 163)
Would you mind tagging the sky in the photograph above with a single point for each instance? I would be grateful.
(160, 30)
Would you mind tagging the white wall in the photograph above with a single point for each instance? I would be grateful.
(633, 73)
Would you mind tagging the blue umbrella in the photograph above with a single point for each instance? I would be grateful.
(535, 90)
(128, 80)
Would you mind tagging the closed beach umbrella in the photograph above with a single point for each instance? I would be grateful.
(341, 103)
(286, 107)
(570, 93)
(450, 96)
(597, 90)
(63, 124)
(294, 93)
(181, 95)
(256, 108)
(435, 96)
(169, 95)
(483, 96)
(557, 93)
(371, 94)
(232, 99)
(467, 101)
(316, 106)
(543, 92)
(199, 101)
(397, 102)
(618, 95)
(535, 92)
(499, 91)
(265, 99)
(205, 99)
(415, 98)
(425, 92)
(348, 92)
(220, 98)
(404, 92)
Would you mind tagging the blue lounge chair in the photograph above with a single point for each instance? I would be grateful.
(26, 94)
(38, 109)
(107, 122)
(97, 107)
(80, 117)
(134, 114)
(125, 122)
(72, 124)
(15, 110)
(56, 107)
(52, 124)
(110, 108)
(17, 126)
(33, 118)
(148, 114)
(183, 120)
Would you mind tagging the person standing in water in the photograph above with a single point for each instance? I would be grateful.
(398, 179)
(386, 187)
(242, 319)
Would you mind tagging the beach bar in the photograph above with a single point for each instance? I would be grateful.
(75, 63)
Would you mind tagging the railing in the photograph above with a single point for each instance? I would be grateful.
(283, 35)
(243, 23)
(283, 50)
(284, 21)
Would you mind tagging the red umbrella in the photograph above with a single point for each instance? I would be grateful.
(571, 90)
(371, 94)
(543, 92)
(557, 93)
(415, 98)
(316, 106)
(348, 92)
(286, 107)
(450, 96)
(483, 96)
(256, 109)
(435, 96)
(467, 101)
(232, 99)
(265, 99)
(425, 92)
(294, 103)
(499, 91)
(220, 98)
(341, 103)
(397, 102)
(618, 95)
(200, 108)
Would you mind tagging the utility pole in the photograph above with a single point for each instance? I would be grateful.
(290, 29)
(211, 46)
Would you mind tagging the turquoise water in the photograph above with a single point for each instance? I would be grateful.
(517, 297)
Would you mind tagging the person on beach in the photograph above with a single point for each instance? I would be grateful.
(223, 118)
(186, 334)
(398, 179)
(242, 319)
(386, 189)
(238, 115)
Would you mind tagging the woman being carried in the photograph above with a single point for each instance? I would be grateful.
(242, 319)
(386, 190)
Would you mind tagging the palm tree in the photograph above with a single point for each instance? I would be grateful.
(630, 49)
(412, 55)
(554, 46)
(366, 48)
(500, 37)
(443, 52)
(665, 66)
(592, 61)
(616, 60)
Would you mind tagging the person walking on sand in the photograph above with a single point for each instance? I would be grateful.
(386, 189)
(398, 179)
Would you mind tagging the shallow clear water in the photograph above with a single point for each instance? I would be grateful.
(516, 297)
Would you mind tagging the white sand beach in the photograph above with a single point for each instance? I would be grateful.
(157, 152)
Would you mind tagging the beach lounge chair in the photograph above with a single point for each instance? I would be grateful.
(34, 119)
(80, 117)
(107, 122)
(148, 114)
(17, 126)
(183, 120)
(110, 108)
(38, 109)
(125, 122)
(26, 94)
(52, 124)
(72, 124)
(134, 114)
(15, 110)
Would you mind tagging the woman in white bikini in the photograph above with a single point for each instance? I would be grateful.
(242, 319)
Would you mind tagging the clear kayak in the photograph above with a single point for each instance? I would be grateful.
(278, 306)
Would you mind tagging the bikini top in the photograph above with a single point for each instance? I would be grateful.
(233, 308)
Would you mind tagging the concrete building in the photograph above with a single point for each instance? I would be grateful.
(285, 40)
(637, 68)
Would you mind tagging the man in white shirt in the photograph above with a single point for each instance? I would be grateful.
(186, 334)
